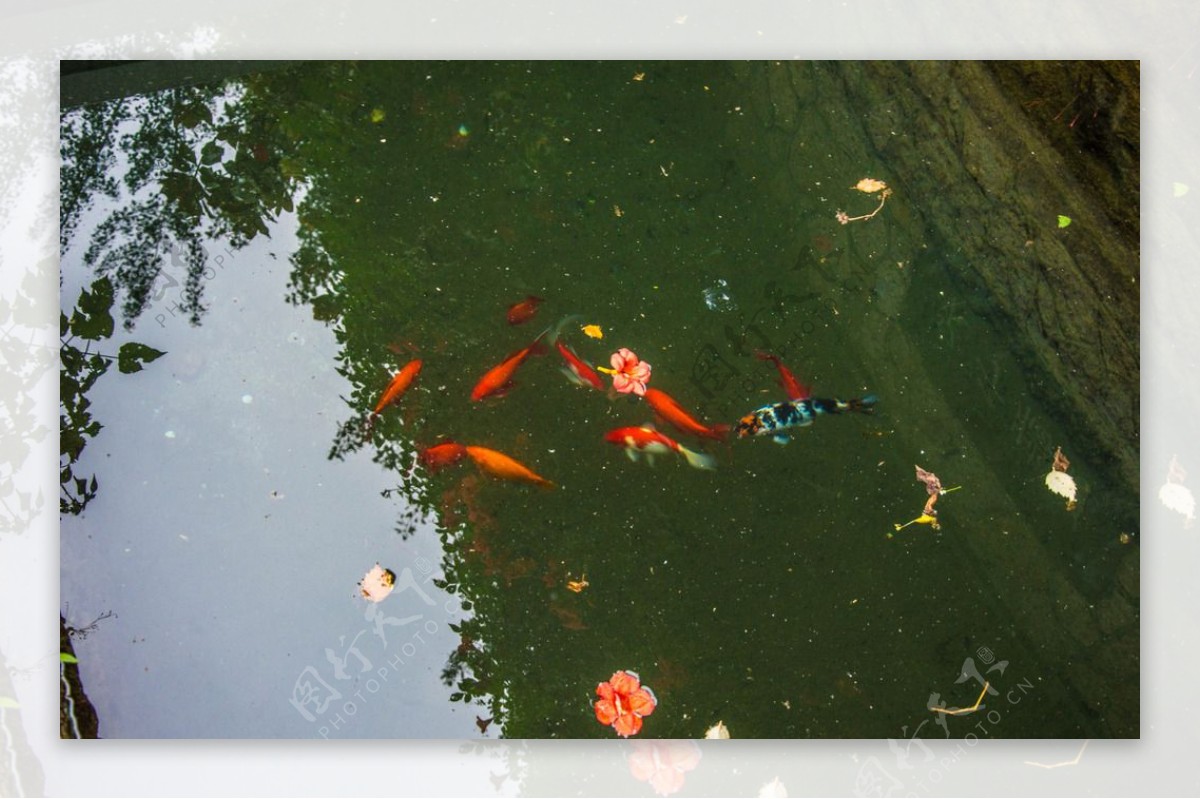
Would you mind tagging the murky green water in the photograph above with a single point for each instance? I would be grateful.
(408, 206)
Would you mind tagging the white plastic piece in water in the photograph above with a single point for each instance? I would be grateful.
(169, 434)
(717, 298)
(246, 398)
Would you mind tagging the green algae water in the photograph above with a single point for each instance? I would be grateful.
(292, 238)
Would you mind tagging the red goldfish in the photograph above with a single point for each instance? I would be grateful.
(577, 370)
(666, 407)
(499, 378)
(438, 456)
(400, 383)
(651, 442)
(795, 390)
(521, 312)
(502, 466)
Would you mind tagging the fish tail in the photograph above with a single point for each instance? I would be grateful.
(698, 460)
(554, 331)
(718, 432)
(865, 404)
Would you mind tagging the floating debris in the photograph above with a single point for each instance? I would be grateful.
(924, 518)
(1059, 481)
(377, 583)
(577, 586)
(933, 487)
(867, 186)
(717, 731)
(592, 331)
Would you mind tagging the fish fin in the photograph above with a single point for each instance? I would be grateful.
(719, 432)
(864, 405)
(554, 331)
(781, 439)
(804, 392)
(632, 454)
(698, 460)
(574, 378)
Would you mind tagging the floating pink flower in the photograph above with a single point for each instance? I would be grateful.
(377, 583)
(629, 373)
(624, 702)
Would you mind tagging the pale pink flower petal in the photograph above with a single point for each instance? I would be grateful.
(623, 359)
(377, 583)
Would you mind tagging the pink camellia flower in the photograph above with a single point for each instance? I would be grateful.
(629, 373)
(623, 702)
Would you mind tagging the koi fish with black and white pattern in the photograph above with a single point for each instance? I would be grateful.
(775, 420)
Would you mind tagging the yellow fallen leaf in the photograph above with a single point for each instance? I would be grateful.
(592, 331)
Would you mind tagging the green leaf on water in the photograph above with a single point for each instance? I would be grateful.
(1063, 221)
(67, 657)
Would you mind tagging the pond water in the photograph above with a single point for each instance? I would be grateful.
(290, 239)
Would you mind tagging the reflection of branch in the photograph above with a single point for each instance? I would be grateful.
(1074, 762)
(962, 711)
(82, 632)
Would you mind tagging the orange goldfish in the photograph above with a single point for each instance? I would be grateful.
(577, 370)
(400, 383)
(438, 456)
(795, 390)
(504, 467)
(649, 441)
(521, 312)
(666, 407)
(499, 378)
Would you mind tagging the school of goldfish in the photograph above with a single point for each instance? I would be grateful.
(628, 374)
(622, 700)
